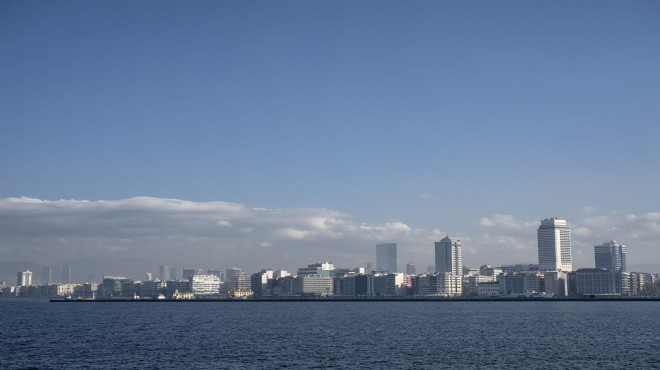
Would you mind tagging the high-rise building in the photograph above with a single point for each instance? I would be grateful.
(24, 278)
(172, 273)
(554, 242)
(411, 269)
(46, 275)
(448, 256)
(188, 273)
(610, 255)
(164, 273)
(65, 275)
(386, 257)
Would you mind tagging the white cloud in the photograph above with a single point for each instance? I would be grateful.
(223, 234)
(172, 229)
(587, 210)
(506, 222)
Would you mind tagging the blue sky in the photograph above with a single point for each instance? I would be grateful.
(432, 114)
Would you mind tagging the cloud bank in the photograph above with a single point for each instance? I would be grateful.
(221, 234)
(178, 231)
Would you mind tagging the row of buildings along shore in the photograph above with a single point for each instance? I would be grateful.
(552, 277)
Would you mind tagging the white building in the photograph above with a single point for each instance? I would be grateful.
(24, 278)
(312, 285)
(386, 257)
(554, 245)
(205, 284)
(489, 289)
(445, 285)
(448, 257)
(610, 255)
(471, 289)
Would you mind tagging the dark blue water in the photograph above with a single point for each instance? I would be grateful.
(385, 335)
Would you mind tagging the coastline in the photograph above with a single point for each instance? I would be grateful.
(355, 299)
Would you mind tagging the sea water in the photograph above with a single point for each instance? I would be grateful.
(304, 335)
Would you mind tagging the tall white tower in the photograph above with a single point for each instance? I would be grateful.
(554, 238)
(448, 256)
(24, 278)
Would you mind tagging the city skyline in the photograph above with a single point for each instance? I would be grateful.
(237, 133)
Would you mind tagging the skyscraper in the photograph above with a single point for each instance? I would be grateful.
(24, 278)
(164, 273)
(65, 275)
(46, 275)
(610, 255)
(386, 257)
(448, 256)
(554, 242)
(411, 269)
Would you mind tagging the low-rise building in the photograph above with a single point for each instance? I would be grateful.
(312, 285)
(489, 289)
(203, 285)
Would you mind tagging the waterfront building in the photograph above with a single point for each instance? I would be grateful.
(236, 279)
(448, 257)
(489, 289)
(312, 285)
(554, 245)
(445, 284)
(411, 269)
(472, 282)
(261, 283)
(523, 283)
(130, 289)
(112, 286)
(24, 278)
(180, 286)
(89, 290)
(380, 284)
(364, 285)
(205, 285)
(386, 257)
(556, 283)
(153, 288)
(320, 268)
(421, 285)
(396, 285)
(598, 281)
(347, 287)
(610, 255)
